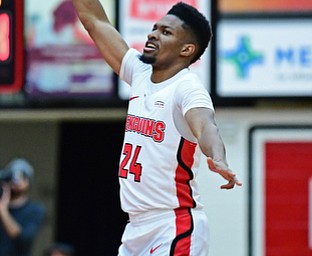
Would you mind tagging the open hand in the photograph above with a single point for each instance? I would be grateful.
(225, 172)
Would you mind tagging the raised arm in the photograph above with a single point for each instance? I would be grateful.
(204, 128)
(110, 43)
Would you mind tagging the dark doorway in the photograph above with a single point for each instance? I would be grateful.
(89, 215)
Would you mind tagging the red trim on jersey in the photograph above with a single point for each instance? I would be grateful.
(184, 173)
(181, 245)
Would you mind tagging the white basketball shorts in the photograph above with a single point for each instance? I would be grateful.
(182, 232)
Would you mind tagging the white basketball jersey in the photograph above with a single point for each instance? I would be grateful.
(160, 156)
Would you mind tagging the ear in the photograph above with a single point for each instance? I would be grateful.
(188, 50)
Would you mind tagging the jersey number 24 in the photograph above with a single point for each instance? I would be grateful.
(134, 168)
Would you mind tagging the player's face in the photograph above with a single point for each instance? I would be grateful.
(165, 42)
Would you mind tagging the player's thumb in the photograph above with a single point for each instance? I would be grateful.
(211, 164)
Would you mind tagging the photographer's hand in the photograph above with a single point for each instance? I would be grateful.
(5, 198)
(11, 226)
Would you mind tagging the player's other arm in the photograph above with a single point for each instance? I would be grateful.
(108, 40)
(203, 125)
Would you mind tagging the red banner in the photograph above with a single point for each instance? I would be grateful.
(288, 170)
(154, 10)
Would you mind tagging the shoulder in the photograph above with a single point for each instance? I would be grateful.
(131, 54)
(132, 58)
(190, 83)
(132, 65)
(191, 93)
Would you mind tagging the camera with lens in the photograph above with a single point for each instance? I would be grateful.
(5, 177)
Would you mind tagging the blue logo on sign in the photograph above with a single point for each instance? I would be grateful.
(243, 57)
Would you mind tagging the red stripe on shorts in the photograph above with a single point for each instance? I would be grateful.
(181, 245)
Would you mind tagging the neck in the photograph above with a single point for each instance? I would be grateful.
(161, 75)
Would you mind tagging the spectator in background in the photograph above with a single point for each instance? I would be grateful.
(59, 249)
(20, 217)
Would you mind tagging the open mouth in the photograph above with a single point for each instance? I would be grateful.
(150, 47)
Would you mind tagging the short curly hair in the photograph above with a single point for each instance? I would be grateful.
(196, 22)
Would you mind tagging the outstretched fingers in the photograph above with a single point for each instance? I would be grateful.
(225, 172)
(231, 184)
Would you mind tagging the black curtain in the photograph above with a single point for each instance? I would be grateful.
(88, 207)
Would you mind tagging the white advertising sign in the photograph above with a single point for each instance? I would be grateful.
(264, 58)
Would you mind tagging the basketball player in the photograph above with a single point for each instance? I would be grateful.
(170, 122)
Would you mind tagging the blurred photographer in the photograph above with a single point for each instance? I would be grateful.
(20, 217)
